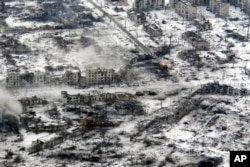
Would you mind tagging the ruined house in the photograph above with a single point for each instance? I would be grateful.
(45, 143)
(195, 40)
(137, 17)
(89, 123)
(30, 101)
(153, 30)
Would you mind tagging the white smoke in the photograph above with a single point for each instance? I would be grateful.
(8, 105)
(89, 57)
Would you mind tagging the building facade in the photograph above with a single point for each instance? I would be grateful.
(219, 7)
(100, 76)
(149, 4)
(186, 10)
(80, 99)
(72, 77)
(13, 79)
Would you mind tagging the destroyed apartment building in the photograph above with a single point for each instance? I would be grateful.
(196, 40)
(46, 143)
(60, 75)
(51, 127)
(80, 99)
(100, 76)
(186, 9)
(149, 4)
(34, 100)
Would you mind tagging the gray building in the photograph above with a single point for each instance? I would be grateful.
(100, 76)
(149, 4)
(219, 7)
(186, 10)
(13, 79)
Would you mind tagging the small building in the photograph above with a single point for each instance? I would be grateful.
(219, 7)
(46, 142)
(137, 17)
(195, 40)
(100, 76)
(203, 25)
(153, 30)
(186, 10)
(148, 4)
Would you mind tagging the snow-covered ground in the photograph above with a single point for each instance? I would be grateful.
(201, 132)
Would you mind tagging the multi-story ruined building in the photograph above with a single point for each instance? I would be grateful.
(39, 78)
(186, 9)
(72, 77)
(80, 99)
(173, 3)
(100, 76)
(2, 5)
(243, 4)
(13, 79)
(219, 7)
(149, 4)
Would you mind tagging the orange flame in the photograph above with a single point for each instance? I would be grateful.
(164, 64)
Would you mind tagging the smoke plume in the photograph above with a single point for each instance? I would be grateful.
(10, 108)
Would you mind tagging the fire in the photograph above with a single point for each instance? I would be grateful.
(164, 64)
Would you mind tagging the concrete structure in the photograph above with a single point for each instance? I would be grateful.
(203, 25)
(39, 78)
(186, 10)
(173, 3)
(72, 77)
(30, 101)
(137, 17)
(1, 116)
(195, 40)
(79, 99)
(243, 4)
(120, 2)
(153, 30)
(100, 76)
(149, 4)
(219, 7)
(13, 79)
(2, 5)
